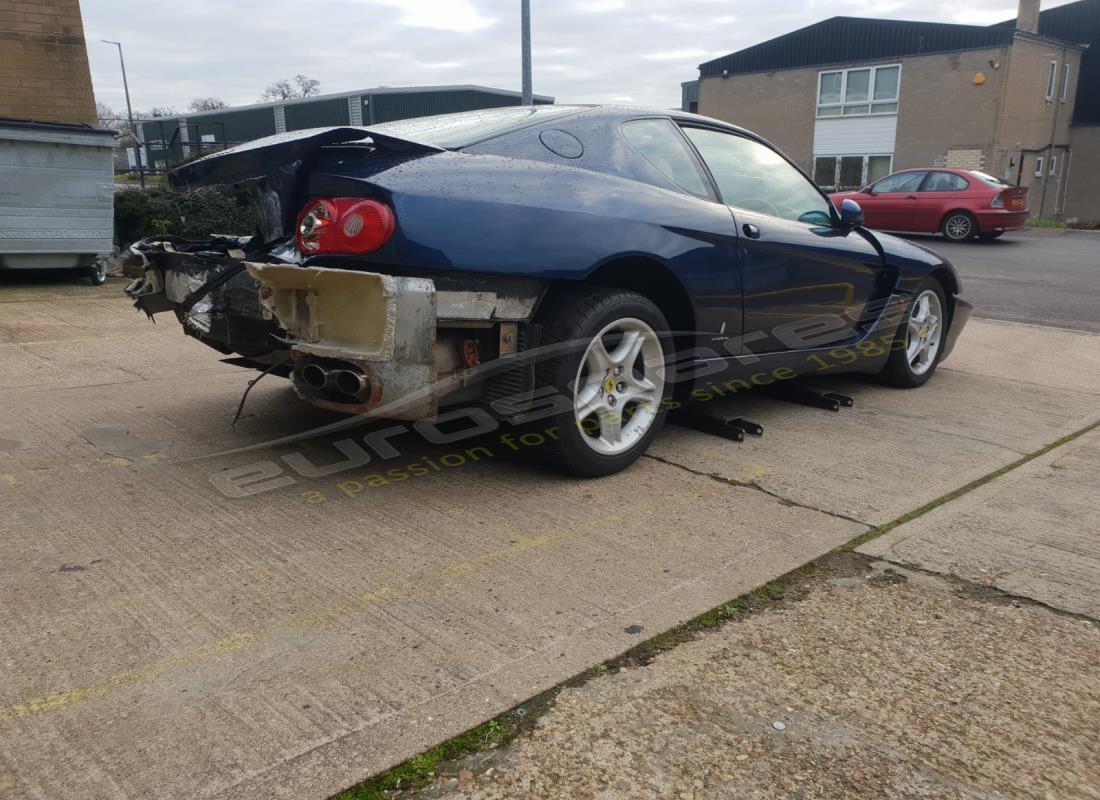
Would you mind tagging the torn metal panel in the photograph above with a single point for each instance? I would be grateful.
(339, 313)
(205, 284)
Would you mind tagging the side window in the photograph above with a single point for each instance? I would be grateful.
(899, 182)
(753, 176)
(661, 144)
(945, 182)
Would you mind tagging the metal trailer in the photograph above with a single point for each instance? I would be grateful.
(56, 196)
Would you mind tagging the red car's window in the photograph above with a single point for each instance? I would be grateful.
(899, 182)
(944, 182)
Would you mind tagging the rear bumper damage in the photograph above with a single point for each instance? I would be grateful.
(352, 341)
(354, 338)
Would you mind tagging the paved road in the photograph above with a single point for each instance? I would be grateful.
(1039, 277)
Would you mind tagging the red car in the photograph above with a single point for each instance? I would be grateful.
(960, 203)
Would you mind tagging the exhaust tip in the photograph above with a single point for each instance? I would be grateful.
(314, 376)
(351, 383)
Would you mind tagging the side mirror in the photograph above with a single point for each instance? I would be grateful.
(851, 215)
(868, 189)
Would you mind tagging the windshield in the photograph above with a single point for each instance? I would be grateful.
(467, 127)
(995, 182)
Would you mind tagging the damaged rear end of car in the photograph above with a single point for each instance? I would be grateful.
(327, 292)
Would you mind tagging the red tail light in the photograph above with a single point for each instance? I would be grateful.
(344, 225)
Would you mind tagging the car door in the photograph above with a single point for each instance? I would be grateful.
(940, 192)
(805, 280)
(894, 201)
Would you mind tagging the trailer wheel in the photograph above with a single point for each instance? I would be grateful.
(97, 274)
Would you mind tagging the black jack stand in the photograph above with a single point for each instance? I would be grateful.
(732, 428)
(830, 401)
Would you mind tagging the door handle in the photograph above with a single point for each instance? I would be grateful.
(751, 230)
(911, 197)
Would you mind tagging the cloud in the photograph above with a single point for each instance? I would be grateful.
(583, 51)
(449, 15)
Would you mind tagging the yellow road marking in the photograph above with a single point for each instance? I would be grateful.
(65, 341)
(41, 705)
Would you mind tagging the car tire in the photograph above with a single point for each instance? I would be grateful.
(97, 274)
(609, 348)
(913, 360)
(992, 235)
(959, 226)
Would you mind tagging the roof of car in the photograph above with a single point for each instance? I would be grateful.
(630, 111)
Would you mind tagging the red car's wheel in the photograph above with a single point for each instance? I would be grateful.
(959, 226)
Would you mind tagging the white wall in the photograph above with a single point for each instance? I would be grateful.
(841, 136)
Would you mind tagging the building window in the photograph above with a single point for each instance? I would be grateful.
(1054, 165)
(1039, 167)
(1050, 80)
(866, 90)
(1065, 80)
(841, 173)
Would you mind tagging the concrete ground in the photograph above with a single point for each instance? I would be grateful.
(873, 683)
(163, 639)
(1032, 532)
(1042, 276)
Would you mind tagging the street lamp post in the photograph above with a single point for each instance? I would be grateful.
(129, 112)
(525, 46)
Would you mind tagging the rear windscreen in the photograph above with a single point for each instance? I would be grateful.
(989, 179)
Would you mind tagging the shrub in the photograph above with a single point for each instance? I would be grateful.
(191, 215)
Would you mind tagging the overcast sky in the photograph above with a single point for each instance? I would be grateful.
(611, 51)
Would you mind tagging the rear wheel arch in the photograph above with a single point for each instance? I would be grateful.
(651, 279)
(654, 281)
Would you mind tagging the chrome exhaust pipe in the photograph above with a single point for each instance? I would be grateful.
(349, 382)
(314, 376)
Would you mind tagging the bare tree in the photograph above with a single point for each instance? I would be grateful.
(207, 104)
(107, 117)
(113, 120)
(159, 111)
(307, 87)
(291, 88)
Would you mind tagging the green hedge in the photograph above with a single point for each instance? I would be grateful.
(192, 215)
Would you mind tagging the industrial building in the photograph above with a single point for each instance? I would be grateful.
(167, 140)
(852, 99)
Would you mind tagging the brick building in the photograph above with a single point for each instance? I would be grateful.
(44, 71)
(853, 99)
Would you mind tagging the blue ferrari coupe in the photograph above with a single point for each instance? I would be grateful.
(582, 268)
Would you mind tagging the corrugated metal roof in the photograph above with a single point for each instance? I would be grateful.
(841, 40)
(464, 87)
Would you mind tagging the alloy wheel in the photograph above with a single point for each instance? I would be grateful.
(619, 386)
(923, 332)
(958, 226)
